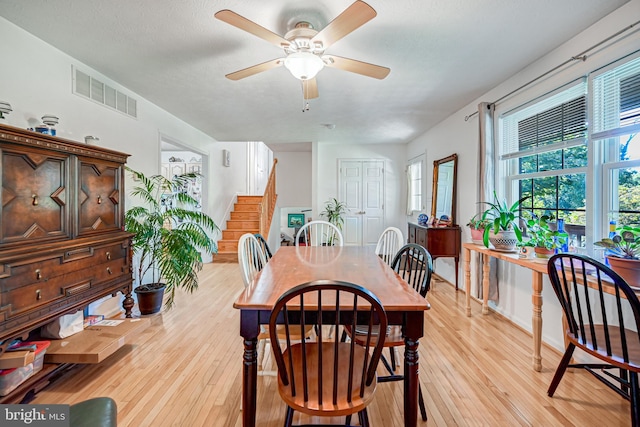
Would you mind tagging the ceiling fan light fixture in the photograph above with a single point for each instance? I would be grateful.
(303, 65)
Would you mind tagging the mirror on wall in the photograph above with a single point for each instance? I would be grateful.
(444, 188)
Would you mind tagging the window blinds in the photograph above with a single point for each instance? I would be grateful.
(616, 100)
(555, 122)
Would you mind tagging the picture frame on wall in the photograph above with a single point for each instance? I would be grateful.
(295, 220)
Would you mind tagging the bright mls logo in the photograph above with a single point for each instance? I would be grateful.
(34, 415)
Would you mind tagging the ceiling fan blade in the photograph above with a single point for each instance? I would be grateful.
(310, 88)
(364, 68)
(243, 23)
(246, 72)
(352, 18)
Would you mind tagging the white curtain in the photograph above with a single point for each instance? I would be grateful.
(409, 210)
(486, 185)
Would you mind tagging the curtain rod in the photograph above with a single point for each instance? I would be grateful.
(582, 56)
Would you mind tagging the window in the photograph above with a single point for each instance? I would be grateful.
(544, 152)
(415, 186)
(616, 136)
(575, 153)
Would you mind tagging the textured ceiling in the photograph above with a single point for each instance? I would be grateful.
(443, 54)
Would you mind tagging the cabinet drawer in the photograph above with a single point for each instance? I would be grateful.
(70, 284)
(42, 269)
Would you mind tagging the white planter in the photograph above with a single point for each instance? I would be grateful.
(504, 241)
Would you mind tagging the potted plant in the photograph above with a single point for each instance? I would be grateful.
(333, 210)
(168, 237)
(542, 238)
(623, 253)
(477, 225)
(504, 228)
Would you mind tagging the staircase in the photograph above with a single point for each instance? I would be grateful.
(245, 218)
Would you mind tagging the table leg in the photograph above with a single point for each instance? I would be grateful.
(485, 283)
(536, 320)
(411, 382)
(467, 280)
(249, 383)
(249, 328)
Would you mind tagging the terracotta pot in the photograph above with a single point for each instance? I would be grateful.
(543, 252)
(476, 235)
(628, 269)
(150, 301)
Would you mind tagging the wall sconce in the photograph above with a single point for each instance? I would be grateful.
(226, 158)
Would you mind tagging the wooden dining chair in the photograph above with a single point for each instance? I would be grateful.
(319, 233)
(265, 247)
(414, 264)
(328, 377)
(603, 324)
(390, 241)
(252, 260)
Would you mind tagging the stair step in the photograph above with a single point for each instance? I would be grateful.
(253, 216)
(233, 234)
(249, 199)
(247, 225)
(226, 246)
(231, 257)
(246, 207)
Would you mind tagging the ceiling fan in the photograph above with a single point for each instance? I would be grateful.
(305, 47)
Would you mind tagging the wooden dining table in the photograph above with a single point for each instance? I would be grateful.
(291, 266)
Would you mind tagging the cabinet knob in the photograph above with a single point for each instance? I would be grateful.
(38, 295)
(38, 275)
(108, 256)
(109, 270)
(99, 200)
(35, 199)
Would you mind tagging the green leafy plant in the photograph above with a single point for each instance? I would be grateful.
(540, 234)
(625, 244)
(502, 217)
(477, 223)
(333, 210)
(168, 233)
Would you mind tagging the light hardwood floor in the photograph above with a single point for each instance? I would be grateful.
(185, 370)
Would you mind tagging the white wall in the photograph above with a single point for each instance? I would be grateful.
(454, 135)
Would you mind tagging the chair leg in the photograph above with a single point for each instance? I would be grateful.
(288, 418)
(343, 338)
(386, 364)
(363, 417)
(562, 367)
(261, 346)
(634, 399)
(347, 421)
(423, 409)
(392, 355)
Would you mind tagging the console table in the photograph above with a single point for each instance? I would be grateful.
(441, 242)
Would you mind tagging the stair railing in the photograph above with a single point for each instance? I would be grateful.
(268, 203)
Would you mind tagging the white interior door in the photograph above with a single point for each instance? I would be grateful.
(362, 191)
(445, 189)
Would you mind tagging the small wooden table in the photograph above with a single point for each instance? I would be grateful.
(538, 267)
(291, 266)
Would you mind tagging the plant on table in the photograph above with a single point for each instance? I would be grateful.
(502, 218)
(541, 235)
(169, 234)
(624, 244)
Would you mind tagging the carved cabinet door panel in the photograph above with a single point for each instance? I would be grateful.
(100, 199)
(35, 205)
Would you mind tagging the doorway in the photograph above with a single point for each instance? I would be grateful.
(361, 186)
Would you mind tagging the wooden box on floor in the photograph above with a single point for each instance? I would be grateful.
(96, 342)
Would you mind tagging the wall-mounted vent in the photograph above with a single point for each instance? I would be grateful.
(91, 88)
